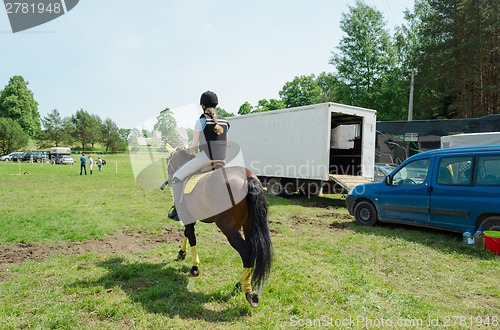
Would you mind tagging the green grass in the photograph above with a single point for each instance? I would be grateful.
(326, 267)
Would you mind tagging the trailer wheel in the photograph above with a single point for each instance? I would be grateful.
(274, 187)
(365, 214)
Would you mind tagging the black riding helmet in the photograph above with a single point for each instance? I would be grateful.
(209, 99)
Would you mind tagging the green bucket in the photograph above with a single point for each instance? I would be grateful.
(492, 233)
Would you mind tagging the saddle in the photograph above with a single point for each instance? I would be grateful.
(206, 194)
(214, 164)
(191, 181)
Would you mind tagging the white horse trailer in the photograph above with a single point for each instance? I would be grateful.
(306, 148)
(470, 140)
(59, 152)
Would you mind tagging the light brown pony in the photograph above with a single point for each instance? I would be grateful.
(249, 213)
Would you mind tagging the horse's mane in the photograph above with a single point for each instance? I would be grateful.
(182, 155)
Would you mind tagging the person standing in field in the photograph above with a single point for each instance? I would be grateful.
(91, 164)
(83, 161)
(31, 158)
(99, 163)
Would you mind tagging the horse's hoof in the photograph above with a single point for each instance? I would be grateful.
(181, 255)
(253, 298)
(194, 271)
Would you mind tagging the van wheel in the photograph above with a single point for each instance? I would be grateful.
(491, 223)
(365, 214)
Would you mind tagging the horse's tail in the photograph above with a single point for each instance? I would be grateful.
(260, 240)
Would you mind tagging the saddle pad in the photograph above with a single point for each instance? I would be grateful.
(192, 181)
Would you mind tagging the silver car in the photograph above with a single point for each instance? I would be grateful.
(8, 157)
(65, 160)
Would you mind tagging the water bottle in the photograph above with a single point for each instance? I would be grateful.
(479, 239)
(468, 237)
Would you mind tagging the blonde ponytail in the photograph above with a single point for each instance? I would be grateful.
(217, 129)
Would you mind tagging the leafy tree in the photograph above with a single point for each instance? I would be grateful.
(95, 130)
(111, 136)
(301, 91)
(269, 105)
(69, 136)
(124, 133)
(53, 133)
(245, 109)
(166, 124)
(84, 128)
(332, 89)
(366, 53)
(18, 103)
(190, 133)
(12, 136)
(458, 62)
(223, 112)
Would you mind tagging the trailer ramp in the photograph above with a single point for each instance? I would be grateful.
(347, 182)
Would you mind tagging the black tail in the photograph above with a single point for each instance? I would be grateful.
(260, 240)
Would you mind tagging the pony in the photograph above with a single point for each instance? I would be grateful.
(249, 213)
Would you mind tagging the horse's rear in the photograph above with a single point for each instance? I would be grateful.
(233, 198)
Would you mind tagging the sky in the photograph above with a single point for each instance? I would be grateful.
(129, 60)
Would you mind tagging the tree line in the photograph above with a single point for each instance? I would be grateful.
(452, 45)
(20, 122)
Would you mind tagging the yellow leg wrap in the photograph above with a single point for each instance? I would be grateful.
(184, 244)
(246, 280)
(196, 259)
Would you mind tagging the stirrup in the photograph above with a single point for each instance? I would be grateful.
(172, 213)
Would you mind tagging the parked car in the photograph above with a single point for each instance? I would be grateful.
(9, 157)
(453, 189)
(380, 171)
(65, 160)
(37, 156)
(17, 157)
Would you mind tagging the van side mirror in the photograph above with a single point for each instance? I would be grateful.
(388, 180)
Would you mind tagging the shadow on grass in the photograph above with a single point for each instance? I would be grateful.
(449, 242)
(163, 290)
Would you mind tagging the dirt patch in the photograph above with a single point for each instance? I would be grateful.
(337, 225)
(128, 241)
(335, 215)
(300, 220)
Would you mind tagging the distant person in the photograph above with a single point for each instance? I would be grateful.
(31, 158)
(99, 163)
(83, 161)
(91, 164)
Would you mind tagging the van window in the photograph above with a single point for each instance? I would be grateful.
(455, 171)
(488, 171)
(413, 173)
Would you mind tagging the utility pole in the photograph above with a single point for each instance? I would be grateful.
(410, 106)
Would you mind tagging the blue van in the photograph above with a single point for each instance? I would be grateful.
(452, 189)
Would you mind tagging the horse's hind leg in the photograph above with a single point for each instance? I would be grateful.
(191, 237)
(245, 283)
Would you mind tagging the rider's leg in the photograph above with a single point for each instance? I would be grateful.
(192, 166)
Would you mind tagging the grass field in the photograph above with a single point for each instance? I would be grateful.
(97, 252)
